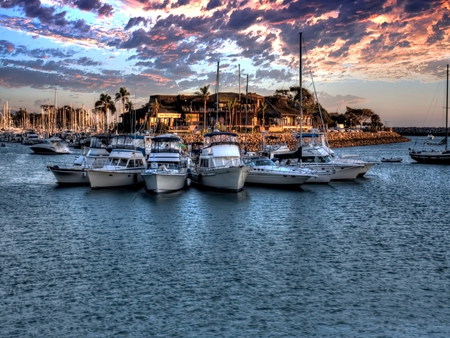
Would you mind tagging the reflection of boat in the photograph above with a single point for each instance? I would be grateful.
(51, 146)
(75, 173)
(391, 159)
(166, 170)
(265, 172)
(433, 156)
(219, 164)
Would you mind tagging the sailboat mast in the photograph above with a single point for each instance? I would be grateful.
(217, 93)
(300, 100)
(446, 113)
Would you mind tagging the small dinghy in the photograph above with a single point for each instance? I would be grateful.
(391, 159)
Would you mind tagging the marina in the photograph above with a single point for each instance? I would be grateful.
(369, 257)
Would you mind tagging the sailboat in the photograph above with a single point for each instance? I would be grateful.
(432, 156)
(315, 157)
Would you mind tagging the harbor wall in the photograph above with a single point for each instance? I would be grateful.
(420, 131)
(336, 140)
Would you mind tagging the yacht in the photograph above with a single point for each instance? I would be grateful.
(219, 164)
(265, 172)
(317, 158)
(123, 168)
(51, 146)
(167, 167)
(93, 157)
(30, 137)
(124, 164)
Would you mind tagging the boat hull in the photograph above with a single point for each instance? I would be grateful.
(226, 179)
(322, 177)
(273, 178)
(161, 182)
(431, 157)
(70, 175)
(47, 151)
(334, 172)
(112, 179)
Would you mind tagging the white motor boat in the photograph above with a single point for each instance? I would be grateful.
(122, 168)
(75, 173)
(265, 172)
(219, 163)
(51, 146)
(350, 158)
(167, 168)
(317, 158)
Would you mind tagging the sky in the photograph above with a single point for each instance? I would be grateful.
(386, 55)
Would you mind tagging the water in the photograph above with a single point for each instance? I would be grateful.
(368, 258)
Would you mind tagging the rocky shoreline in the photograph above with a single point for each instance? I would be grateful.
(335, 140)
(420, 131)
(341, 140)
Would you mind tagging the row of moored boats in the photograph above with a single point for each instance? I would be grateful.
(164, 164)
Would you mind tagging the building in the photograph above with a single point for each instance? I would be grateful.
(234, 112)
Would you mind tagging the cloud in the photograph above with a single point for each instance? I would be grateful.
(135, 22)
(6, 47)
(339, 102)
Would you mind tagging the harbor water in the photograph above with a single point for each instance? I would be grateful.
(369, 258)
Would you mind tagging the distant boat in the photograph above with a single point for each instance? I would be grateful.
(391, 159)
(51, 146)
(433, 156)
(430, 137)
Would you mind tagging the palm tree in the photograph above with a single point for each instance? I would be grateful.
(203, 93)
(263, 106)
(154, 107)
(122, 95)
(104, 104)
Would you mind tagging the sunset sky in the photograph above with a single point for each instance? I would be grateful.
(389, 56)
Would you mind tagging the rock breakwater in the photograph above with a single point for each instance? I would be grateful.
(419, 131)
(336, 140)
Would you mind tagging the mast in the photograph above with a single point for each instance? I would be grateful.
(446, 113)
(217, 93)
(300, 100)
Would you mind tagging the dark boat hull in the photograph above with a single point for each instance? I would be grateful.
(431, 157)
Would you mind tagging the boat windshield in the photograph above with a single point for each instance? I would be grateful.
(165, 146)
(211, 139)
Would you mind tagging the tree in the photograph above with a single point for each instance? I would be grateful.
(122, 95)
(203, 94)
(154, 106)
(104, 104)
(359, 115)
(263, 106)
(376, 121)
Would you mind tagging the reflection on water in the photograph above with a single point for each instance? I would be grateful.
(363, 258)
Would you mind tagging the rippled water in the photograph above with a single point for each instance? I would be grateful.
(368, 258)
